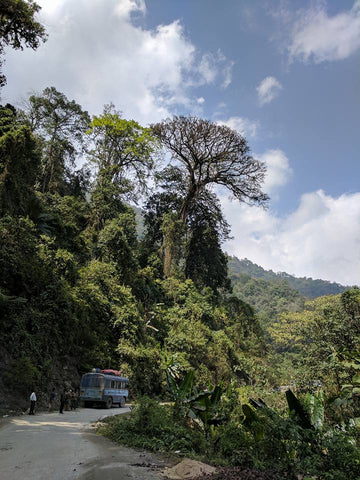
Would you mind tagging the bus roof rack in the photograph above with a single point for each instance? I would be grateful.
(110, 371)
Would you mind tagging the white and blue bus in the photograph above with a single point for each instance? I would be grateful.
(105, 388)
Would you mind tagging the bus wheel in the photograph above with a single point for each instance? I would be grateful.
(109, 402)
(122, 402)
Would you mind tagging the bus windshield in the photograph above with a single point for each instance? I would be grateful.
(92, 380)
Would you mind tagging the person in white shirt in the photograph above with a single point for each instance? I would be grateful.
(32, 403)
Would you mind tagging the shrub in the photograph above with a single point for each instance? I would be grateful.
(152, 426)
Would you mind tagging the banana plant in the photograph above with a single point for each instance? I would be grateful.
(204, 409)
(180, 391)
(201, 406)
(251, 421)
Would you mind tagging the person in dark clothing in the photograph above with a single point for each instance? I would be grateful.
(76, 398)
(52, 400)
(62, 401)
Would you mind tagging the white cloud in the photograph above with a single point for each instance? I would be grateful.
(320, 239)
(243, 125)
(49, 6)
(321, 37)
(97, 53)
(124, 7)
(215, 67)
(278, 169)
(268, 89)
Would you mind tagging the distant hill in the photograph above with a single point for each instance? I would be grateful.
(268, 297)
(305, 286)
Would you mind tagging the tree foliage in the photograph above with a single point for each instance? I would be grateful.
(19, 27)
(61, 125)
(122, 154)
(19, 165)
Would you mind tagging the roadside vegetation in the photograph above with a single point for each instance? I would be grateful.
(215, 427)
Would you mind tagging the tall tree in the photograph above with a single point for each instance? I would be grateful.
(123, 156)
(207, 155)
(61, 125)
(18, 27)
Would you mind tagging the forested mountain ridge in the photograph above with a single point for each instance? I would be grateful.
(267, 297)
(307, 287)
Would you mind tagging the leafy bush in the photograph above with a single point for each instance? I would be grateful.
(235, 444)
(151, 426)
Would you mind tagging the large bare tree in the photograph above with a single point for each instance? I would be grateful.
(211, 154)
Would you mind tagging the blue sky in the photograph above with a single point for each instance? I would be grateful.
(284, 73)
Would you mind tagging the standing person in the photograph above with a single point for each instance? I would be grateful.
(32, 403)
(52, 400)
(72, 400)
(67, 400)
(62, 401)
(76, 399)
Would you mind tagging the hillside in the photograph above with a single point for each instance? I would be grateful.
(307, 287)
(268, 297)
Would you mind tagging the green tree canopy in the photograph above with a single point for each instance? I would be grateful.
(61, 125)
(19, 165)
(19, 28)
(123, 156)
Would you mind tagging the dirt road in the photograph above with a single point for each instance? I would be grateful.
(63, 447)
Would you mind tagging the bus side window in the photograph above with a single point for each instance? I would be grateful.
(112, 384)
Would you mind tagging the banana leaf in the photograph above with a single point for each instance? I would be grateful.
(315, 408)
(250, 415)
(298, 410)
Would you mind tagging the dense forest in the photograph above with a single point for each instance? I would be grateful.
(307, 287)
(81, 288)
(272, 293)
